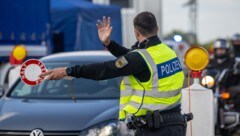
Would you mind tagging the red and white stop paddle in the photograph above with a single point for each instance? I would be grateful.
(30, 71)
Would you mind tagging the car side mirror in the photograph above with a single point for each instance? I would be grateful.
(1, 91)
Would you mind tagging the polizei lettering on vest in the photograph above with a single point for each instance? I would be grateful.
(169, 68)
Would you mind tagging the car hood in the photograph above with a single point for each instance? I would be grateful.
(55, 115)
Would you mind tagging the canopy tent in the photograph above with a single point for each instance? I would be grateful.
(77, 20)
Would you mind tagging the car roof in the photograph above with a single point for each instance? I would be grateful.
(174, 43)
(78, 56)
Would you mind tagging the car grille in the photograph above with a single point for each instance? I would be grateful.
(21, 133)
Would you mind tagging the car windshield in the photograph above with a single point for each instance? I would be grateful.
(63, 89)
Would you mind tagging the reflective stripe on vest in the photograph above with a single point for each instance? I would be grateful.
(157, 106)
(162, 91)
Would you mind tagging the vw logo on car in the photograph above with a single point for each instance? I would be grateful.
(37, 132)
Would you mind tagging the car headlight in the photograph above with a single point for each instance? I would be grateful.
(103, 129)
(208, 81)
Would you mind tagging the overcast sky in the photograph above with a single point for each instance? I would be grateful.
(216, 18)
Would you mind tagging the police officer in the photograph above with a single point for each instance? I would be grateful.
(236, 44)
(221, 59)
(152, 82)
(235, 80)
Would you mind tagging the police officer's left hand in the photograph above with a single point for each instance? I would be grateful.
(55, 74)
(104, 30)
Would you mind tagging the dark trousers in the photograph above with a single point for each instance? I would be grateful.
(170, 130)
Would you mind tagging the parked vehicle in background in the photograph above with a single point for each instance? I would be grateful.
(33, 29)
(49, 107)
(24, 33)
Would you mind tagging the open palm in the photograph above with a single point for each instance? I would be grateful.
(104, 30)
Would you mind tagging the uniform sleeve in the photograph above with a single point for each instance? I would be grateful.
(129, 64)
(116, 49)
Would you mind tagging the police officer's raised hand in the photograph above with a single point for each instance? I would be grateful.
(104, 30)
(55, 74)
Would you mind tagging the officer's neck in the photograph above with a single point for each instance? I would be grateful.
(141, 38)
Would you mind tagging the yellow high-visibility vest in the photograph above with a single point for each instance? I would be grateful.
(162, 90)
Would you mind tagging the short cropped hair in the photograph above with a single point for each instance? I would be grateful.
(146, 23)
